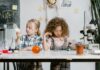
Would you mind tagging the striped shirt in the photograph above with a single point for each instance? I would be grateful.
(26, 41)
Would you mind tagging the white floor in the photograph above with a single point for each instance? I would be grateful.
(74, 66)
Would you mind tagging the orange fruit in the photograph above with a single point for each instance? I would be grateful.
(36, 49)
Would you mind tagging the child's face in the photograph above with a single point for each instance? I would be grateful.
(58, 31)
(31, 28)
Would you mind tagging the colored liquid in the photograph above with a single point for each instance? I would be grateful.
(79, 49)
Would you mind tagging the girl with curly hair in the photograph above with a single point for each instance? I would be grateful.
(56, 38)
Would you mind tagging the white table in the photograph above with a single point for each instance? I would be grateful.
(49, 56)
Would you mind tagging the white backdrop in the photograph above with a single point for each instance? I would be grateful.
(73, 15)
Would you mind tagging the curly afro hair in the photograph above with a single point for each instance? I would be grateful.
(57, 21)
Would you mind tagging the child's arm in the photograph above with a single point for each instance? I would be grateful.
(17, 40)
(28, 48)
(46, 42)
(20, 42)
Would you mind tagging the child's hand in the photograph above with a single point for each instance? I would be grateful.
(18, 37)
(46, 41)
(18, 34)
(47, 34)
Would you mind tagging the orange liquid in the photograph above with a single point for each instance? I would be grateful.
(79, 49)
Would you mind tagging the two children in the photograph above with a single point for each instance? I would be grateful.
(55, 38)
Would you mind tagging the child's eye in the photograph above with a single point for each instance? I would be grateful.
(29, 27)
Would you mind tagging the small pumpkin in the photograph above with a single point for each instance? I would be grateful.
(36, 49)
